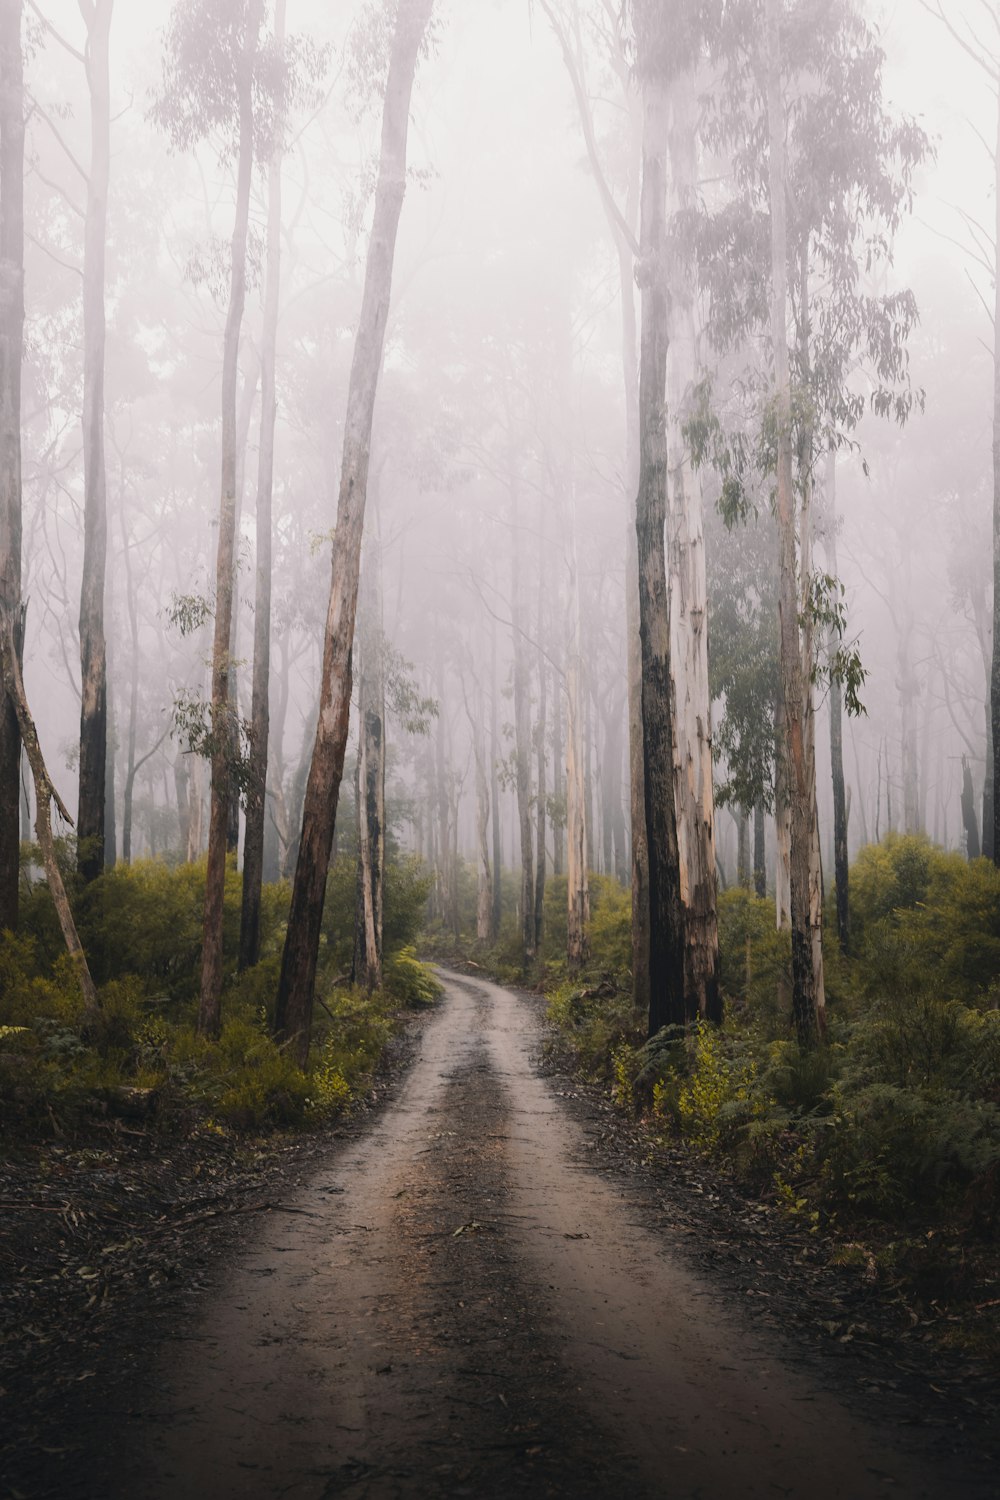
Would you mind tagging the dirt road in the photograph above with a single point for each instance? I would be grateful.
(458, 1306)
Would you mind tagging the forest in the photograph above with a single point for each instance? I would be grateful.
(499, 680)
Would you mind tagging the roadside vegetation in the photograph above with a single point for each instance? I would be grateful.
(141, 1058)
(886, 1138)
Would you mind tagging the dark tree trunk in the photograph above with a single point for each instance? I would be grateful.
(522, 732)
(93, 663)
(988, 850)
(293, 1012)
(367, 962)
(841, 871)
(244, 416)
(11, 346)
(743, 848)
(969, 813)
(540, 787)
(253, 841)
(497, 911)
(666, 928)
(558, 788)
(995, 673)
(759, 857)
(209, 1010)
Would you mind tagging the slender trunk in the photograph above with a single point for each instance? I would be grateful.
(577, 881)
(666, 926)
(253, 840)
(293, 1012)
(540, 771)
(522, 730)
(93, 663)
(244, 415)
(743, 848)
(45, 795)
(497, 911)
(969, 813)
(484, 886)
(995, 674)
(801, 787)
(759, 865)
(209, 1011)
(367, 965)
(110, 782)
(691, 707)
(841, 869)
(181, 779)
(11, 346)
(196, 802)
(807, 648)
(988, 850)
(559, 815)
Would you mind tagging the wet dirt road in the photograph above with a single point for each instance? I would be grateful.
(459, 1305)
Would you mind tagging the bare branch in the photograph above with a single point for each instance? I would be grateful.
(619, 224)
(57, 35)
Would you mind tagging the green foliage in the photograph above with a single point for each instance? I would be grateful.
(754, 957)
(410, 982)
(597, 1026)
(719, 1098)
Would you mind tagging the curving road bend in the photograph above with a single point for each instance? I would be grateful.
(459, 1305)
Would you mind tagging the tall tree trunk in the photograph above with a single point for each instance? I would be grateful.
(969, 813)
(742, 848)
(759, 864)
(800, 781)
(841, 867)
(522, 728)
(243, 419)
(484, 882)
(497, 911)
(559, 816)
(93, 663)
(666, 926)
(11, 346)
(807, 647)
(367, 964)
(995, 674)
(253, 840)
(540, 727)
(692, 702)
(209, 1010)
(293, 1012)
(577, 877)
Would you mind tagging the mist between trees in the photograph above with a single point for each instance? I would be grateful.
(551, 444)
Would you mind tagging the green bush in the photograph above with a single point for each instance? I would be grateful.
(408, 981)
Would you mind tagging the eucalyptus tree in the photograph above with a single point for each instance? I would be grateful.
(821, 177)
(293, 1010)
(660, 54)
(211, 87)
(91, 819)
(11, 350)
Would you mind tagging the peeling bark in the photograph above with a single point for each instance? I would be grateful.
(692, 726)
(666, 927)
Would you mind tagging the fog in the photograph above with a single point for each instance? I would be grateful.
(500, 467)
